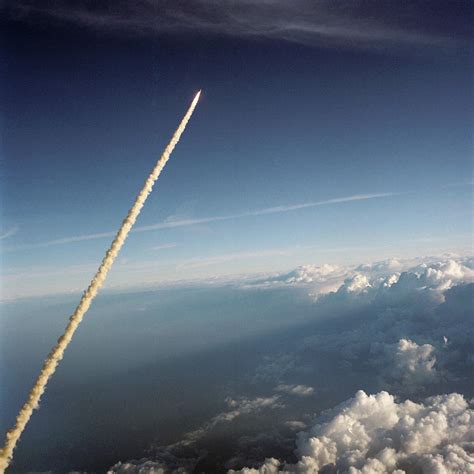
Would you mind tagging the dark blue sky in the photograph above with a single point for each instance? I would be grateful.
(361, 103)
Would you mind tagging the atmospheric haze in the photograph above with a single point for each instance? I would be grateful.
(370, 364)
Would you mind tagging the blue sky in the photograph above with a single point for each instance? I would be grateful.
(283, 123)
(328, 132)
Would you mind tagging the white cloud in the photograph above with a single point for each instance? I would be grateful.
(391, 324)
(320, 279)
(310, 274)
(405, 327)
(390, 265)
(428, 279)
(435, 273)
(375, 434)
(237, 408)
(406, 367)
(401, 322)
(357, 284)
(298, 390)
(320, 24)
(245, 406)
(295, 425)
(414, 364)
(270, 466)
(145, 466)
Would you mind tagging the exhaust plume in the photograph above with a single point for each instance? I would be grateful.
(52, 361)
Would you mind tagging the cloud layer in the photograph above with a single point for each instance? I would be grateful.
(399, 329)
(406, 325)
(322, 23)
(375, 434)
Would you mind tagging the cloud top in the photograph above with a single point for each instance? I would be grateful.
(375, 434)
(413, 362)
(401, 330)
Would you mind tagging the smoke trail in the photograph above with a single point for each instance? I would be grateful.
(49, 366)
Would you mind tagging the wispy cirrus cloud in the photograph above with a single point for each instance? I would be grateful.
(314, 23)
(9, 232)
(164, 246)
(170, 224)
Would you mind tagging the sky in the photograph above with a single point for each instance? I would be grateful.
(366, 106)
(296, 294)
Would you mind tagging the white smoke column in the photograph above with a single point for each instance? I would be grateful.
(49, 366)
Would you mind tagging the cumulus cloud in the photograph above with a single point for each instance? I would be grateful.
(409, 322)
(433, 278)
(401, 274)
(298, 390)
(398, 323)
(403, 327)
(422, 286)
(357, 284)
(375, 434)
(145, 466)
(309, 274)
(295, 425)
(390, 265)
(270, 466)
(320, 279)
(413, 364)
(245, 406)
